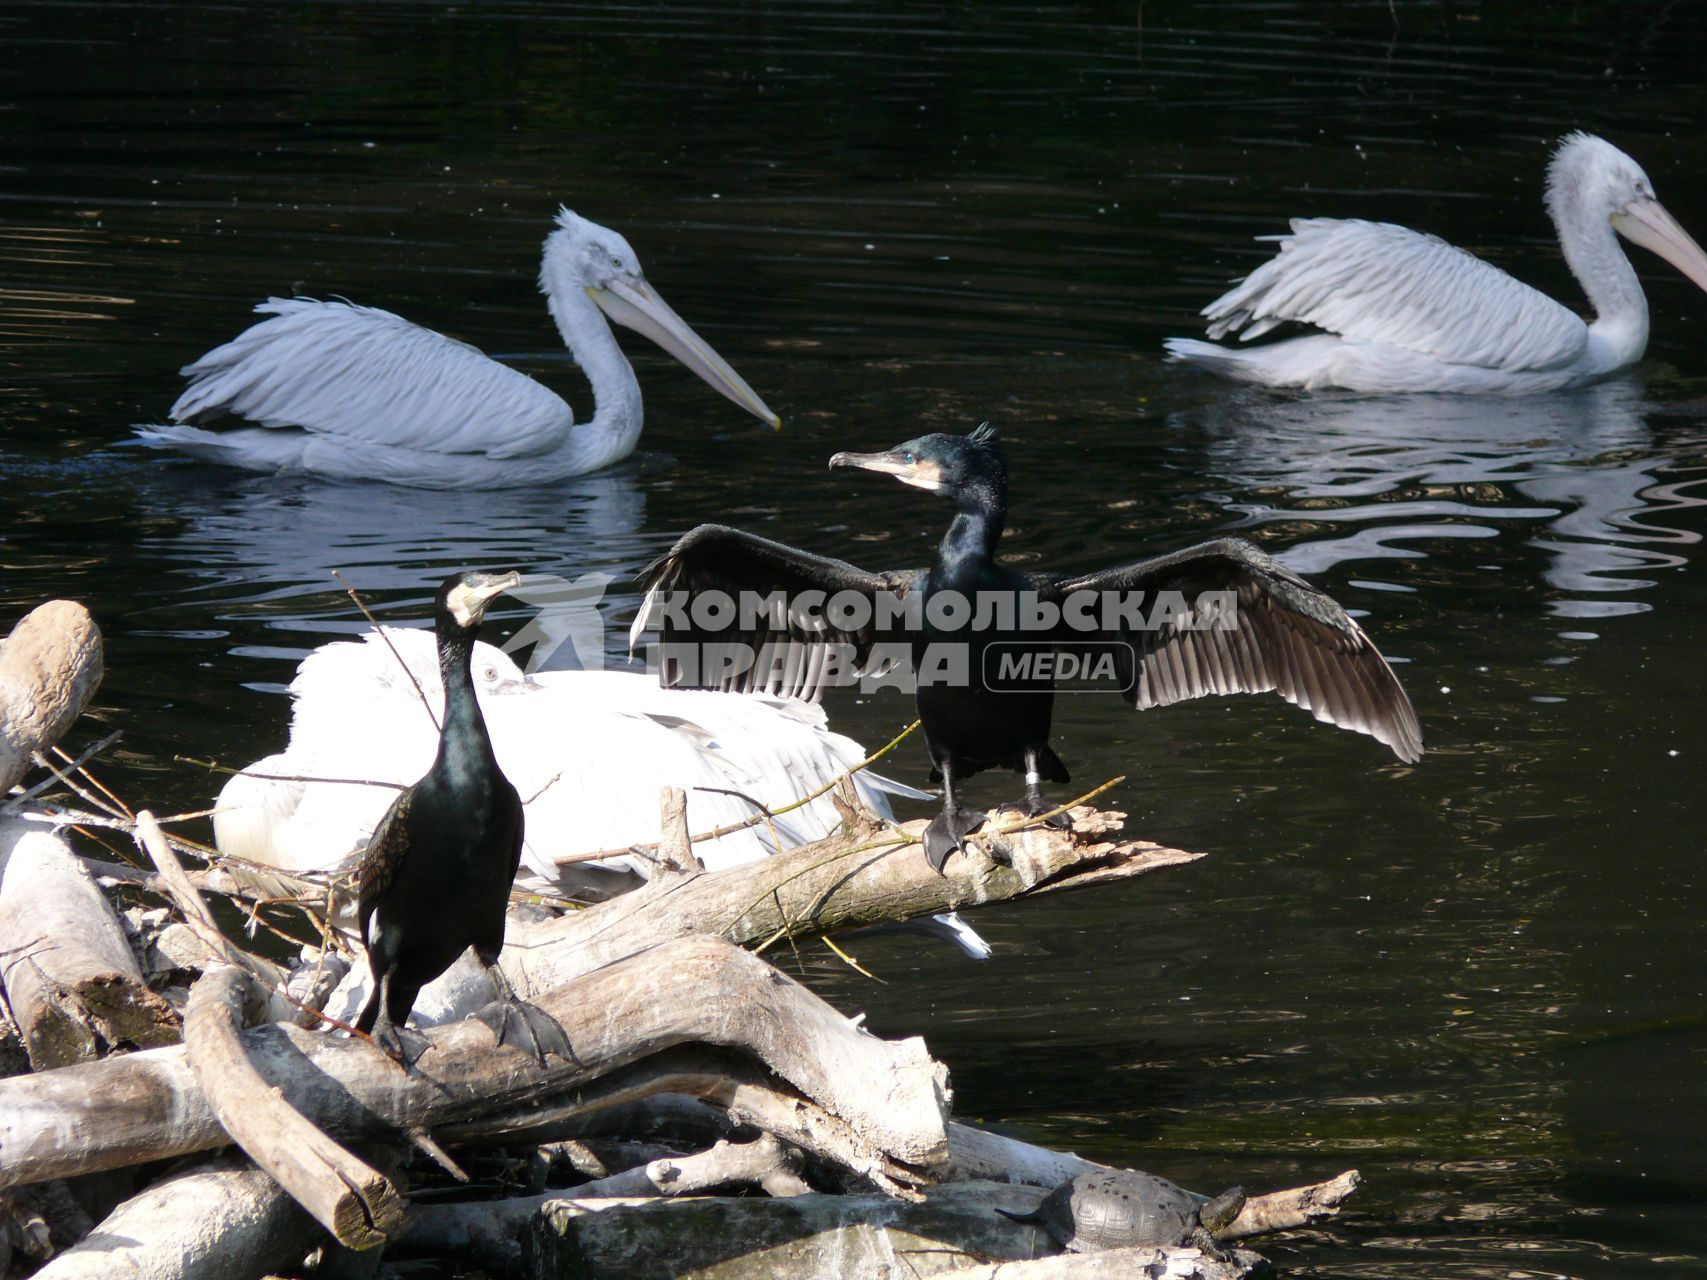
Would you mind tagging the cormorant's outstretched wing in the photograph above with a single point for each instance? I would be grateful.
(704, 596)
(1263, 629)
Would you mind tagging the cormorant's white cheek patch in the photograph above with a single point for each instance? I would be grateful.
(922, 475)
(466, 605)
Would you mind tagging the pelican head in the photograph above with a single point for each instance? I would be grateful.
(582, 254)
(1590, 180)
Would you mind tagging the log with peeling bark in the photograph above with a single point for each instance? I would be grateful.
(70, 976)
(50, 666)
(694, 991)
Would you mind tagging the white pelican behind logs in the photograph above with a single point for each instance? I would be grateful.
(587, 750)
(1406, 311)
(358, 393)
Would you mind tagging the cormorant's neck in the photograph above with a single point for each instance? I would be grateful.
(1602, 268)
(614, 429)
(969, 546)
(464, 738)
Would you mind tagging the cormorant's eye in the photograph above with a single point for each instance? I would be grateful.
(909, 457)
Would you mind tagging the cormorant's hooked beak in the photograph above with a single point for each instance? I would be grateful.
(1646, 222)
(632, 302)
(918, 472)
(469, 598)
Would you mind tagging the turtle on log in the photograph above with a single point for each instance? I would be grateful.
(1115, 1208)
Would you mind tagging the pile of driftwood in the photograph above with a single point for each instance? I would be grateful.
(173, 1105)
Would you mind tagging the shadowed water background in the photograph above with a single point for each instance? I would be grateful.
(1478, 980)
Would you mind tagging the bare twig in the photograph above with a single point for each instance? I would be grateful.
(87, 754)
(422, 693)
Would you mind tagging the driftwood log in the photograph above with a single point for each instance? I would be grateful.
(694, 991)
(868, 874)
(342, 1192)
(50, 666)
(217, 1222)
(956, 1231)
(71, 978)
(811, 1239)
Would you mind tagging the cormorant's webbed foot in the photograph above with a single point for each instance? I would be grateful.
(1037, 807)
(947, 833)
(527, 1027)
(401, 1045)
(524, 1026)
(1058, 822)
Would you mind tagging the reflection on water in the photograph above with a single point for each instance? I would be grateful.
(1408, 470)
(268, 547)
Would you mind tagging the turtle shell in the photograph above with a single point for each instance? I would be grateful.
(1115, 1208)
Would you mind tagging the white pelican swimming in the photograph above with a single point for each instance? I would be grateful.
(1406, 311)
(589, 752)
(358, 393)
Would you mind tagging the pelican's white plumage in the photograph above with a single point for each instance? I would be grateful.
(1404, 311)
(355, 392)
(587, 750)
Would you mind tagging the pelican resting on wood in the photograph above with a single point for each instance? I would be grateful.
(1404, 311)
(589, 751)
(1221, 617)
(352, 392)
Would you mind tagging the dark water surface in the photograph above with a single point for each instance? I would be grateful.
(1478, 980)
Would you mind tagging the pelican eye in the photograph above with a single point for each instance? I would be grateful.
(617, 263)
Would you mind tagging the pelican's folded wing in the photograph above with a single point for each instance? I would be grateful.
(739, 612)
(367, 375)
(1380, 283)
(1225, 617)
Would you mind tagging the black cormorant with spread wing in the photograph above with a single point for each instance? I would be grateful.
(1218, 618)
(435, 878)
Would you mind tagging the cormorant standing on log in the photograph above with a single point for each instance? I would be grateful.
(436, 876)
(1221, 617)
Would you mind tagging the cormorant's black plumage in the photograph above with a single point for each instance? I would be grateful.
(436, 876)
(1281, 635)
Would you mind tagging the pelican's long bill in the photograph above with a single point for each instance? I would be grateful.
(1646, 222)
(919, 473)
(634, 303)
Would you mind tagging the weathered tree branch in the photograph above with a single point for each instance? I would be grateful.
(212, 1223)
(351, 1199)
(764, 1162)
(866, 875)
(693, 1076)
(50, 666)
(692, 991)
